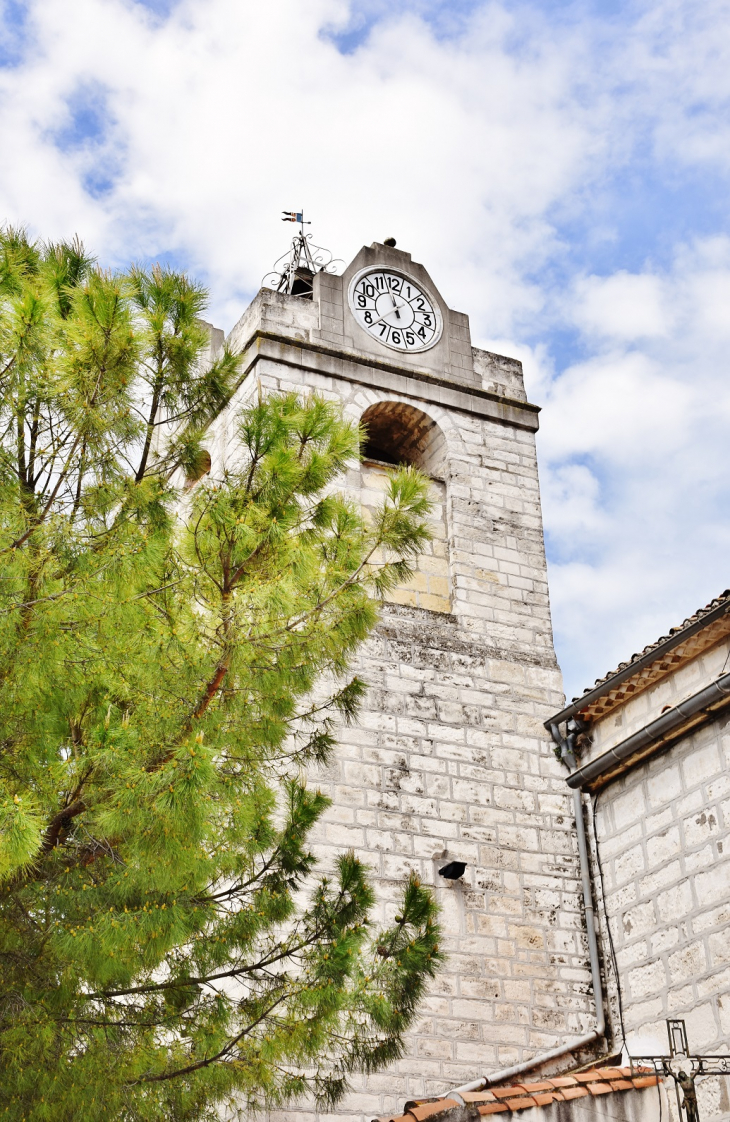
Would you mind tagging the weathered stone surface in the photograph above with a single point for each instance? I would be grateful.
(664, 840)
(449, 759)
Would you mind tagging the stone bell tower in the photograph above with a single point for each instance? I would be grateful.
(449, 760)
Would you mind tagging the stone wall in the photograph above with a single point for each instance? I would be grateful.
(664, 843)
(449, 758)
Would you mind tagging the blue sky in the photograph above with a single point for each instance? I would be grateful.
(561, 168)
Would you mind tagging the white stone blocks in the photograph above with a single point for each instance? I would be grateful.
(665, 848)
(449, 753)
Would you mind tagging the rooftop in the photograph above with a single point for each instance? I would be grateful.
(696, 634)
(521, 1096)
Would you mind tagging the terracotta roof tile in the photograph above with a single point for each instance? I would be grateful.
(574, 1092)
(600, 1088)
(426, 1110)
(522, 1096)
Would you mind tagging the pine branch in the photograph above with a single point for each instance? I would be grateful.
(200, 1064)
(168, 874)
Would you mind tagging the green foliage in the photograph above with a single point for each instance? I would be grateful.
(171, 662)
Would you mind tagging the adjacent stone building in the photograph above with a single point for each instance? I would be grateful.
(647, 756)
(652, 741)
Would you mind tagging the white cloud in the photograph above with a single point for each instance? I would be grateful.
(622, 306)
(230, 112)
(492, 156)
(636, 469)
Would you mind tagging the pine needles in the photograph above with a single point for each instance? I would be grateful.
(166, 943)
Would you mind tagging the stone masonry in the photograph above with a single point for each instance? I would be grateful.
(663, 833)
(449, 758)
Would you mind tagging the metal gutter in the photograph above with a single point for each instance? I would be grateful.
(646, 660)
(566, 751)
(527, 1065)
(704, 700)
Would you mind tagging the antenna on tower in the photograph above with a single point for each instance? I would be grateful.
(294, 272)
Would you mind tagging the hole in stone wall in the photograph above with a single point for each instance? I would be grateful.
(401, 434)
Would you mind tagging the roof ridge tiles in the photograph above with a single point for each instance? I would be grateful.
(600, 1088)
(428, 1110)
(574, 1092)
(521, 1096)
(520, 1102)
(698, 615)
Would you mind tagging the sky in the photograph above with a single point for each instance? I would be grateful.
(560, 168)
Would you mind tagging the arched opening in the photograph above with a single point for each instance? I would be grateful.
(397, 433)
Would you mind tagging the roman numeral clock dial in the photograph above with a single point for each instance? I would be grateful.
(396, 311)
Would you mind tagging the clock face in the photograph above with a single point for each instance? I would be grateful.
(395, 310)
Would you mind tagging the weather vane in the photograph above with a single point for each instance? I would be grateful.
(294, 272)
(295, 216)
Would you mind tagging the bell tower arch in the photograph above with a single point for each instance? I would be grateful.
(398, 433)
(449, 761)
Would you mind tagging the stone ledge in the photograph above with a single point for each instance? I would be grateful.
(358, 368)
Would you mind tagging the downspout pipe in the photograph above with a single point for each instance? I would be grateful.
(567, 756)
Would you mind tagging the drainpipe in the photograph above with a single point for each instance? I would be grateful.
(567, 756)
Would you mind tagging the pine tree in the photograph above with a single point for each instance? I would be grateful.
(172, 661)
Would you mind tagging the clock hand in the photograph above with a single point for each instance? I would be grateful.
(388, 313)
(395, 306)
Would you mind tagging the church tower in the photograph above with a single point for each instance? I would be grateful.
(449, 760)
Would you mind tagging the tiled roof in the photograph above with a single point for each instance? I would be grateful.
(697, 633)
(724, 597)
(521, 1096)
